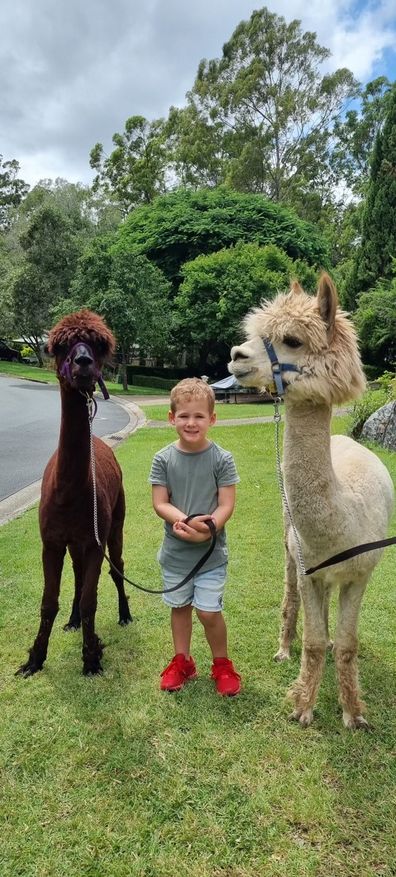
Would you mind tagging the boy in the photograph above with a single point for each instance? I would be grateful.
(194, 475)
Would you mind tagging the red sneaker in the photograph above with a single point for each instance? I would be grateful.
(177, 673)
(228, 681)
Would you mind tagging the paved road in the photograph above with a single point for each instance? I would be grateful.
(29, 429)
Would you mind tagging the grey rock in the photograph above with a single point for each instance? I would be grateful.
(381, 427)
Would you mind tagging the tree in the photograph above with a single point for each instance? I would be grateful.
(134, 172)
(375, 255)
(356, 133)
(50, 248)
(197, 148)
(40, 249)
(276, 109)
(12, 190)
(128, 291)
(181, 225)
(375, 319)
(218, 290)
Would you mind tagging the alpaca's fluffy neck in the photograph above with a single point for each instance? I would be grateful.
(309, 476)
(73, 469)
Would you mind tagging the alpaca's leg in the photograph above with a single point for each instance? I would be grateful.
(78, 565)
(114, 544)
(52, 565)
(345, 653)
(92, 646)
(290, 607)
(304, 690)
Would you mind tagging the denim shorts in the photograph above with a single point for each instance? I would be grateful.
(204, 591)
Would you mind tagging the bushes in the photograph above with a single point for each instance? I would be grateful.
(363, 408)
(147, 381)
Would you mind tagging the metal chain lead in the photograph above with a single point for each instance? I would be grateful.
(91, 414)
(277, 420)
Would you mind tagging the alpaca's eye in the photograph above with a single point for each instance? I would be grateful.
(290, 341)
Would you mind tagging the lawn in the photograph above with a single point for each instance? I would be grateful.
(108, 777)
(48, 376)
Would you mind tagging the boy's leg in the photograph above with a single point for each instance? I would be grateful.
(208, 601)
(215, 632)
(182, 666)
(181, 624)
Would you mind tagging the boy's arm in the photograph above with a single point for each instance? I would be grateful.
(163, 508)
(225, 507)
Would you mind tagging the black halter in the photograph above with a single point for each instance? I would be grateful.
(278, 367)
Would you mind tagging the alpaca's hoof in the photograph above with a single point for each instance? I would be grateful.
(72, 625)
(93, 670)
(27, 670)
(355, 723)
(124, 621)
(304, 718)
(282, 655)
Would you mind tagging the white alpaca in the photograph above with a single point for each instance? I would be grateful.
(339, 493)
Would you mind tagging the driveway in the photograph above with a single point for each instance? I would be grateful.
(29, 430)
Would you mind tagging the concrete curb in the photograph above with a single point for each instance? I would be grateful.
(15, 505)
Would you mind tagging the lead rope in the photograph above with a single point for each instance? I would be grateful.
(277, 420)
(91, 406)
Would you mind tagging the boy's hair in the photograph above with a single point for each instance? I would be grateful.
(192, 388)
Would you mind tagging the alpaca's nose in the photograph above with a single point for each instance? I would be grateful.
(237, 353)
(83, 356)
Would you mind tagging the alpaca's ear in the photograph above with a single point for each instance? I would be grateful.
(295, 287)
(327, 302)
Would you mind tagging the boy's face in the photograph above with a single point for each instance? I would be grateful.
(192, 421)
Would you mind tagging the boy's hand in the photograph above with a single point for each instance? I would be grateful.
(198, 523)
(191, 533)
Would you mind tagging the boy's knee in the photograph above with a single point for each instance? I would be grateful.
(182, 610)
(208, 619)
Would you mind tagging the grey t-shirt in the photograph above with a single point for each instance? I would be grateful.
(192, 481)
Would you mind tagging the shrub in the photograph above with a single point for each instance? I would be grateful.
(363, 408)
(152, 381)
(387, 382)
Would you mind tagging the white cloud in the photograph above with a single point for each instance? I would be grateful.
(72, 73)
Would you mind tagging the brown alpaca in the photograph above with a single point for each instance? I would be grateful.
(339, 493)
(80, 343)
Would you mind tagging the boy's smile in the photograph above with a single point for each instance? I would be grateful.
(192, 421)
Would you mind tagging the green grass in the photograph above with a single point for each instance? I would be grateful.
(107, 777)
(48, 376)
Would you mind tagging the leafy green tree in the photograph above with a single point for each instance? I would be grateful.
(12, 190)
(50, 246)
(375, 255)
(375, 319)
(218, 290)
(47, 233)
(134, 172)
(31, 302)
(88, 212)
(356, 133)
(197, 147)
(128, 291)
(276, 108)
(181, 225)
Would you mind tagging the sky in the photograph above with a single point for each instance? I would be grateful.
(73, 71)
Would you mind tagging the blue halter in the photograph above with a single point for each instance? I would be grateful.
(278, 367)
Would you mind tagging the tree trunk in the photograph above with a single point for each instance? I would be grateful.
(124, 371)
